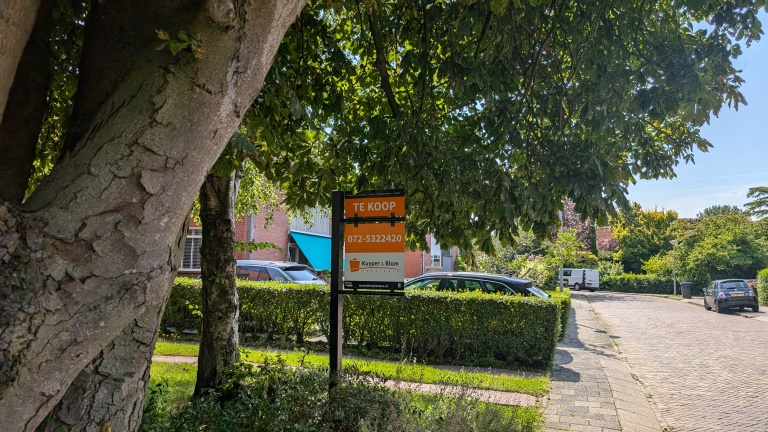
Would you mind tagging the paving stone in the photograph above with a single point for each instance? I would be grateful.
(691, 361)
(583, 390)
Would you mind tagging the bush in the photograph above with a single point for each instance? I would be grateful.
(464, 328)
(609, 268)
(274, 397)
(636, 283)
(762, 287)
(564, 300)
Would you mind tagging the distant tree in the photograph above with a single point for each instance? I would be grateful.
(660, 264)
(641, 234)
(758, 207)
(721, 247)
(718, 210)
(584, 227)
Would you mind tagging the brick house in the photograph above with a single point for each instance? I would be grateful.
(304, 243)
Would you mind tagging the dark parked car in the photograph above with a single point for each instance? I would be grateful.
(729, 293)
(470, 281)
(276, 271)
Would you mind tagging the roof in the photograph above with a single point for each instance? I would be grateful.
(477, 275)
(280, 264)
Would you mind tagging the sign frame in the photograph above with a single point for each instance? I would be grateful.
(366, 214)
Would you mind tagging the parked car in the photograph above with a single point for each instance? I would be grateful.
(277, 271)
(472, 281)
(729, 293)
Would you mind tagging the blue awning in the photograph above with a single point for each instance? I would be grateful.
(317, 249)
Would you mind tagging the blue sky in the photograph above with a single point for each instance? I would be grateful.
(739, 159)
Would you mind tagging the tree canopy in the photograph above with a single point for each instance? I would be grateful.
(758, 207)
(488, 113)
(641, 234)
(491, 114)
(724, 246)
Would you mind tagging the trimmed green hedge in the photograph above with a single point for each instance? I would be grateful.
(635, 283)
(465, 328)
(564, 300)
(762, 287)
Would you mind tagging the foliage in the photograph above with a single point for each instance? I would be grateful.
(491, 114)
(585, 229)
(641, 234)
(463, 328)
(718, 210)
(636, 283)
(476, 378)
(275, 397)
(728, 246)
(660, 265)
(609, 268)
(539, 264)
(758, 207)
(66, 45)
(762, 287)
(582, 259)
(564, 299)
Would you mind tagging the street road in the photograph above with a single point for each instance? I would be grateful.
(705, 371)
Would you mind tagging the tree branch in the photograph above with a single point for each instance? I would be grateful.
(381, 60)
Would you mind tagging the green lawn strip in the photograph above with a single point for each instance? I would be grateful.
(535, 386)
(177, 382)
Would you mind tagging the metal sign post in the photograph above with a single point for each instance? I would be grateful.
(337, 302)
(371, 227)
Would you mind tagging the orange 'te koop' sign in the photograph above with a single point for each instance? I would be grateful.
(374, 207)
(375, 238)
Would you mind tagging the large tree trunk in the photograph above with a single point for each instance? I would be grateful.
(110, 390)
(93, 247)
(16, 20)
(219, 340)
(20, 126)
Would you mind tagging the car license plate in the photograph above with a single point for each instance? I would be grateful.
(737, 295)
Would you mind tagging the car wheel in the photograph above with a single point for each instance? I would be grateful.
(755, 308)
(591, 290)
(707, 306)
(718, 309)
(576, 287)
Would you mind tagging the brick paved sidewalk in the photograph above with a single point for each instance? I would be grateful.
(592, 387)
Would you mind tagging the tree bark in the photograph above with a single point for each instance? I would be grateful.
(17, 17)
(219, 339)
(24, 111)
(93, 247)
(109, 392)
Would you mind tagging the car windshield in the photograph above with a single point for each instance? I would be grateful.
(734, 285)
(537, 292)
(300, 274)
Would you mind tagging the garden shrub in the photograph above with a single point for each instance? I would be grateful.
(564, 300)
(762, 287)
(273, 397)
(463, 328)
(637, 283)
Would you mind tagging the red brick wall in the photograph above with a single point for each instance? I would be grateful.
(413, 263)
(276, 233)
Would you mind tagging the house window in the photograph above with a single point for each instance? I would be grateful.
(191, 259)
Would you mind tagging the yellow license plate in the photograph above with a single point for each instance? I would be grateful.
(737, 295)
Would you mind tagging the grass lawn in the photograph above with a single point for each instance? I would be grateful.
(432, 412)
(536, 386)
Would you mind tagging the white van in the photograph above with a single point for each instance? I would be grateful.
(580, 278)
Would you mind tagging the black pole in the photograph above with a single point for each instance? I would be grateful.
(337, 303)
